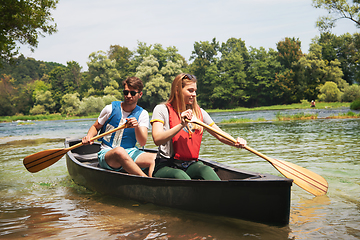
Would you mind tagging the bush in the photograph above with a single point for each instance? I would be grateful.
(329, 92)
(351, 93)
(91, 105)
(355, 105)
(304, 102)
(109, 99)
(70, 104)
(38, 109)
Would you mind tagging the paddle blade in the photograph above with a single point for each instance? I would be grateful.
(306, 179)
(41, 160)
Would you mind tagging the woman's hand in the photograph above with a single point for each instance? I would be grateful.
(186, 115)
(240, 143)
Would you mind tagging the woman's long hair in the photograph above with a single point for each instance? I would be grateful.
(176, 98)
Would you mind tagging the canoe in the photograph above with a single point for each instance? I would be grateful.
(240, 194)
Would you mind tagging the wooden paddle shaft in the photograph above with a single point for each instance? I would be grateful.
(98, 136)
(230, 138)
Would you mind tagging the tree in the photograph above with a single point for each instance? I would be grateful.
(287, 81)
(123, 57)
(229, 92)
(314, 71)
(337, 9)
(148, 68)
(329, 92)
(346, 49)
(23, 22)
(263, 66)
(63, 80)
(156, 89)
(44, 103)
(70, 104)
(8, 93)
(289, 51)
(102, 71)
(351, 93)
(171, 70)
(204, 55)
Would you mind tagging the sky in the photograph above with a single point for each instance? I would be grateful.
(86, 26)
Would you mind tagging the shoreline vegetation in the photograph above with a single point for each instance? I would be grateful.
(298, 116)
(25, 119)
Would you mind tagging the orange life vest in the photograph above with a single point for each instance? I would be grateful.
(186, 145)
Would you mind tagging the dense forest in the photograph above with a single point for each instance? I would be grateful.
(229, 74)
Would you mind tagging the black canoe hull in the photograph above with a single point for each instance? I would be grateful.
(241, 194)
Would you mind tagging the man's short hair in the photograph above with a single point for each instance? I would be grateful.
(134, 82)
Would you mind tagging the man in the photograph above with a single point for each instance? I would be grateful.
(118, 150)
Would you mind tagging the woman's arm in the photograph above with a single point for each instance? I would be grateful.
(161, 137)
(240, 142)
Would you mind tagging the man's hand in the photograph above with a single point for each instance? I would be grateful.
(132, 122)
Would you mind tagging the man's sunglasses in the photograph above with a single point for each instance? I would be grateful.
(188, 76)
(126, 92)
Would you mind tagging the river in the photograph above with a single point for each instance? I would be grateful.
(48, 205)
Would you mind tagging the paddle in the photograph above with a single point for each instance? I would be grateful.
(306, 179)
(41, 160)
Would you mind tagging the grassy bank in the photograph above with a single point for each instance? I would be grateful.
(40, 117)
(288, 117)
(52, 117)
(319, 105)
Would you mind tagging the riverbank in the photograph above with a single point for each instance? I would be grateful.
(289, 117)
(58, 116)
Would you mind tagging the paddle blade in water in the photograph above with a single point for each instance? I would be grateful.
(302, 177)
(41, 160)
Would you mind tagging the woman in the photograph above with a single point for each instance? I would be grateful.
(179, 141)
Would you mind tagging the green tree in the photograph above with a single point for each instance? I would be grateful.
(351, 93)
(64, 80)
(329, 92)
(91, 105)
(8, 93)
(345, 48)
(123, 57)
(102, 72)
(22, 22)
(204, 56)
(148, 68)
(263, 66)
(156, 90)
(70, 104)
(337, 9)
(314, 71)
(287, 82)
(44, 103)
(230, 91)
(171, 70)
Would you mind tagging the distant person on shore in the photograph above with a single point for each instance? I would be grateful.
(179, 141)
(312, 103)
(118, 150)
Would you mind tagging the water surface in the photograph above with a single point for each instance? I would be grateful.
(48, 205)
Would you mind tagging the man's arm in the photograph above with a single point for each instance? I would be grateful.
(93, 131)
(141, 132)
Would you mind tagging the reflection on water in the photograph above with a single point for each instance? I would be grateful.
(48, 205)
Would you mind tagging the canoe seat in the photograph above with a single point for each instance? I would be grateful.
(86, 157)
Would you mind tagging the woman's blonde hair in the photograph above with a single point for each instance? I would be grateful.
(176, 98)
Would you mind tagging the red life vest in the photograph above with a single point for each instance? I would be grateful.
(186, 145)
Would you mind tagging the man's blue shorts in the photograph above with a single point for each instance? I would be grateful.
(134, 153)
